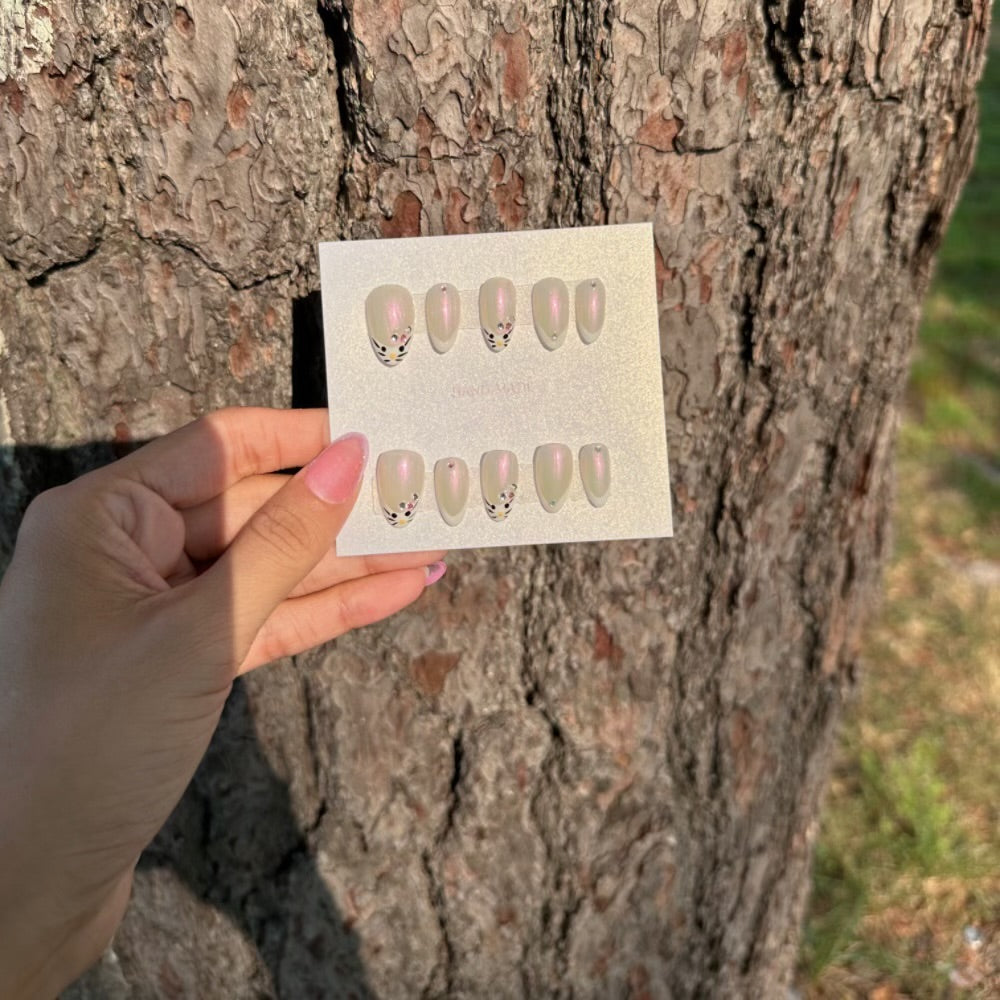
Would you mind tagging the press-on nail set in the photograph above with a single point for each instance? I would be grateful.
(515, 394)
(390, 315)
(400, 482)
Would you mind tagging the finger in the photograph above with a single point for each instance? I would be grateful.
(210, 527)
(303, 622)
(203, 458)
(283, 541)
(333, 569)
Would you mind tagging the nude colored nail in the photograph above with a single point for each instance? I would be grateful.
(497, 309)
(553, 475)
(389, 314)
(498, 478)
(590, 302)
(443, 308)
(333, 475)
(595, 473)
(550, 311)
(451, 489)
(399, 479)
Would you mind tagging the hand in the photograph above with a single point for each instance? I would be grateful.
(135, 596)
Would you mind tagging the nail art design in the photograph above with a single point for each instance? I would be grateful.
(498, 478)
(497, 309)
(595, 472)
(553, 474)
(550, 311)
(443, 307)
(451, 488)
(389, 313)
(590, 299)
(399, 478)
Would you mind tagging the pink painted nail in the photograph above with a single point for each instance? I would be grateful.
(334, 473)
(434, 573)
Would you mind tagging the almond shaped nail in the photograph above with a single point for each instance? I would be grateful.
(590, 300)
(399, 479)
(389, 314)
(595, 473)
(550, 311)
(553, 474)
(443, 308)
(451, 488)
(497, 309)
(498, 479)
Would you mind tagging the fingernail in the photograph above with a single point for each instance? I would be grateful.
(334, 473)
(550, 309)
(595, 471)
(443, 307)
(389, 313)
(498, 478)
(590, 297)
(553, 475)
(434, 573)
(399, 478)
(497, 308)
(451, 488)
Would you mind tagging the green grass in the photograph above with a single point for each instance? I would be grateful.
(907, 866)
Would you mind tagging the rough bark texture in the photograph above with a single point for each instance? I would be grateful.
(584, 771)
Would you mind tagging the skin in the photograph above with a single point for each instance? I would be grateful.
(135, 597)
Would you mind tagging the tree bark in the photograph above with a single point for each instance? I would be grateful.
(586, 771)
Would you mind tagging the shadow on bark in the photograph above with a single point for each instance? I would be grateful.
(234, 841)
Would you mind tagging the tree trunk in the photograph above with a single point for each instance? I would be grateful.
(587, 771)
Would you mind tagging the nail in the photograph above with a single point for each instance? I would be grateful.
(399, 478)
(497, 308)
(451, 488)
(595, 472)
(553, 474)
(389, 314)
(443, 307)
(498, 478)
(550, 311)
(434, 572)
(333, 475)
(590, 299)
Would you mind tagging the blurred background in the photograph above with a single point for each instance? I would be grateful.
(906, 883)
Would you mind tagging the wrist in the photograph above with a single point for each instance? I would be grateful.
(42, 950)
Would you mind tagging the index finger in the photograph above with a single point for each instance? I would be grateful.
(202, 459)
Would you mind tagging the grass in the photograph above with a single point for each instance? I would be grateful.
(906, 879)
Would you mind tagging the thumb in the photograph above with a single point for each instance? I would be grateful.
(286, 538)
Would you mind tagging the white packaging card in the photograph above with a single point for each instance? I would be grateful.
(470, 401)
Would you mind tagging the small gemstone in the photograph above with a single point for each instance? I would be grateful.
(593, 284)
(394, 338)
(499, 326)
(451, 465)
(444, 288)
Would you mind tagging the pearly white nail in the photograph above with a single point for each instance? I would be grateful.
(451, 488)
(589, 303)
(443, 307)
(553, 474)
(399, 478)
(595, 472)
(498, 478)
(497, 309)
(550, 311)
(389, 314)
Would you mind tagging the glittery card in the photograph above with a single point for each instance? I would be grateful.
(470, 400)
